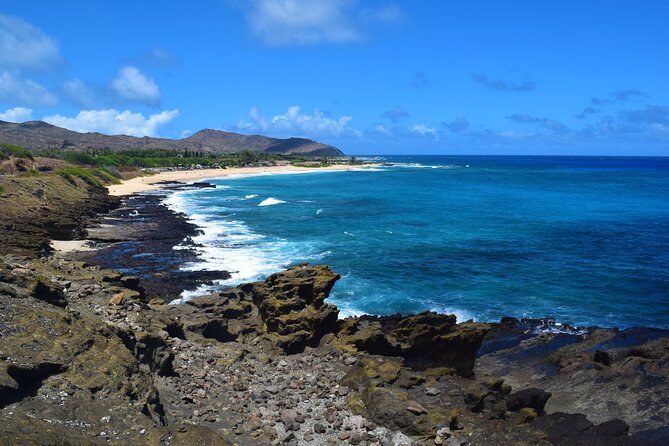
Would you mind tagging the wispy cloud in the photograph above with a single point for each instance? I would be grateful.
(617, 97)
(78, 93)
(586, 111)
(424, 130)
(652, 114)
(307, 22)
(419, 80)
(503, 85)
(133, 85)
(296, 123)
(396, 113)
(17, 90)
(114, 122)
(17, 114)
(25, 47)
(161, 56)
(459, 125)
(549, 124)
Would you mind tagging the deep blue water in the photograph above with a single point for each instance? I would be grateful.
(584, 240)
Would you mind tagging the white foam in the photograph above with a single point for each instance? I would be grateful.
(423, 166)
(346, 311)
(270, 202)
(320, 211)
(460, 315)
(248, 197)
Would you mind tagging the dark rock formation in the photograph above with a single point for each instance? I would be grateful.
(533, 398)
(28, 221)
(140, 235)
(288, 307)
(604, 373)
(424, 340)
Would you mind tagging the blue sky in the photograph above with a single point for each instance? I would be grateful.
(409, 77)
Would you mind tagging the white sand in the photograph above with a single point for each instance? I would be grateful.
(71, 245)
(142, 184)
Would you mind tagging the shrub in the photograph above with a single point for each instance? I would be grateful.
(105, 176)
(70, 173)
(7, 150)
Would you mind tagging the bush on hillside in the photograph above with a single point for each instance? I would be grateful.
(11, 150)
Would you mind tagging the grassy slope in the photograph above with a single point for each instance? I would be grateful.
(37, 207)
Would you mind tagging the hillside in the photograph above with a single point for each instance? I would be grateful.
(39, 135)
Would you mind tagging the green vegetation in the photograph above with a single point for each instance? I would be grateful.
(2, 189)
(93, 177)
(10, 150)
(104, 166)
(152, 158)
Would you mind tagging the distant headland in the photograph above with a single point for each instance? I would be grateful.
(39, 135)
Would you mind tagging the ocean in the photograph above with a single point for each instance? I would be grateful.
(583, 240)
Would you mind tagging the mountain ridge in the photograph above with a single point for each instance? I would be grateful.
(40, 135)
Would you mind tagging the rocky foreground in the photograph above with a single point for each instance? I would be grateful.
(87, 360)
(90, 356)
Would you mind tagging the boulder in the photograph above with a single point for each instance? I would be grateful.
(424, 340)
(288, 307)
(533, 398)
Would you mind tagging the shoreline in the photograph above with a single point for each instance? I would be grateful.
(144, 184)
(269, 362)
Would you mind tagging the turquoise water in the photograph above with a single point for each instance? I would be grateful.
(582, 240)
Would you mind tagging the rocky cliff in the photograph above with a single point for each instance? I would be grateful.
(84, 359)
(38, 135)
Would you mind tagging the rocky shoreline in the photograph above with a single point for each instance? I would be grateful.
(138, 239)
(89, 355)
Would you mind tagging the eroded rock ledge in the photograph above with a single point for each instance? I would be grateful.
(86, 359)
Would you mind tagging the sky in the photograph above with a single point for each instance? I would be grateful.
(370, 77)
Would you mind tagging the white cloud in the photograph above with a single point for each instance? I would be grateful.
(78, 92)
(17, 114)
(302, 22)
(294, 123)
(308, 22)
(23, 46)
(133, 85)
(424, 130)
(114, 122)
(14, 89)
(380, 128)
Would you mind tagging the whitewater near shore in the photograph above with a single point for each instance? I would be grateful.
(147, 183)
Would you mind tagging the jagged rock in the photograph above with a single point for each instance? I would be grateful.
(21, 283)
(288, 307)
(46, 348)
(291, 305)
(425, 340)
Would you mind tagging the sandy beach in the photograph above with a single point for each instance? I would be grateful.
(143, 184)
